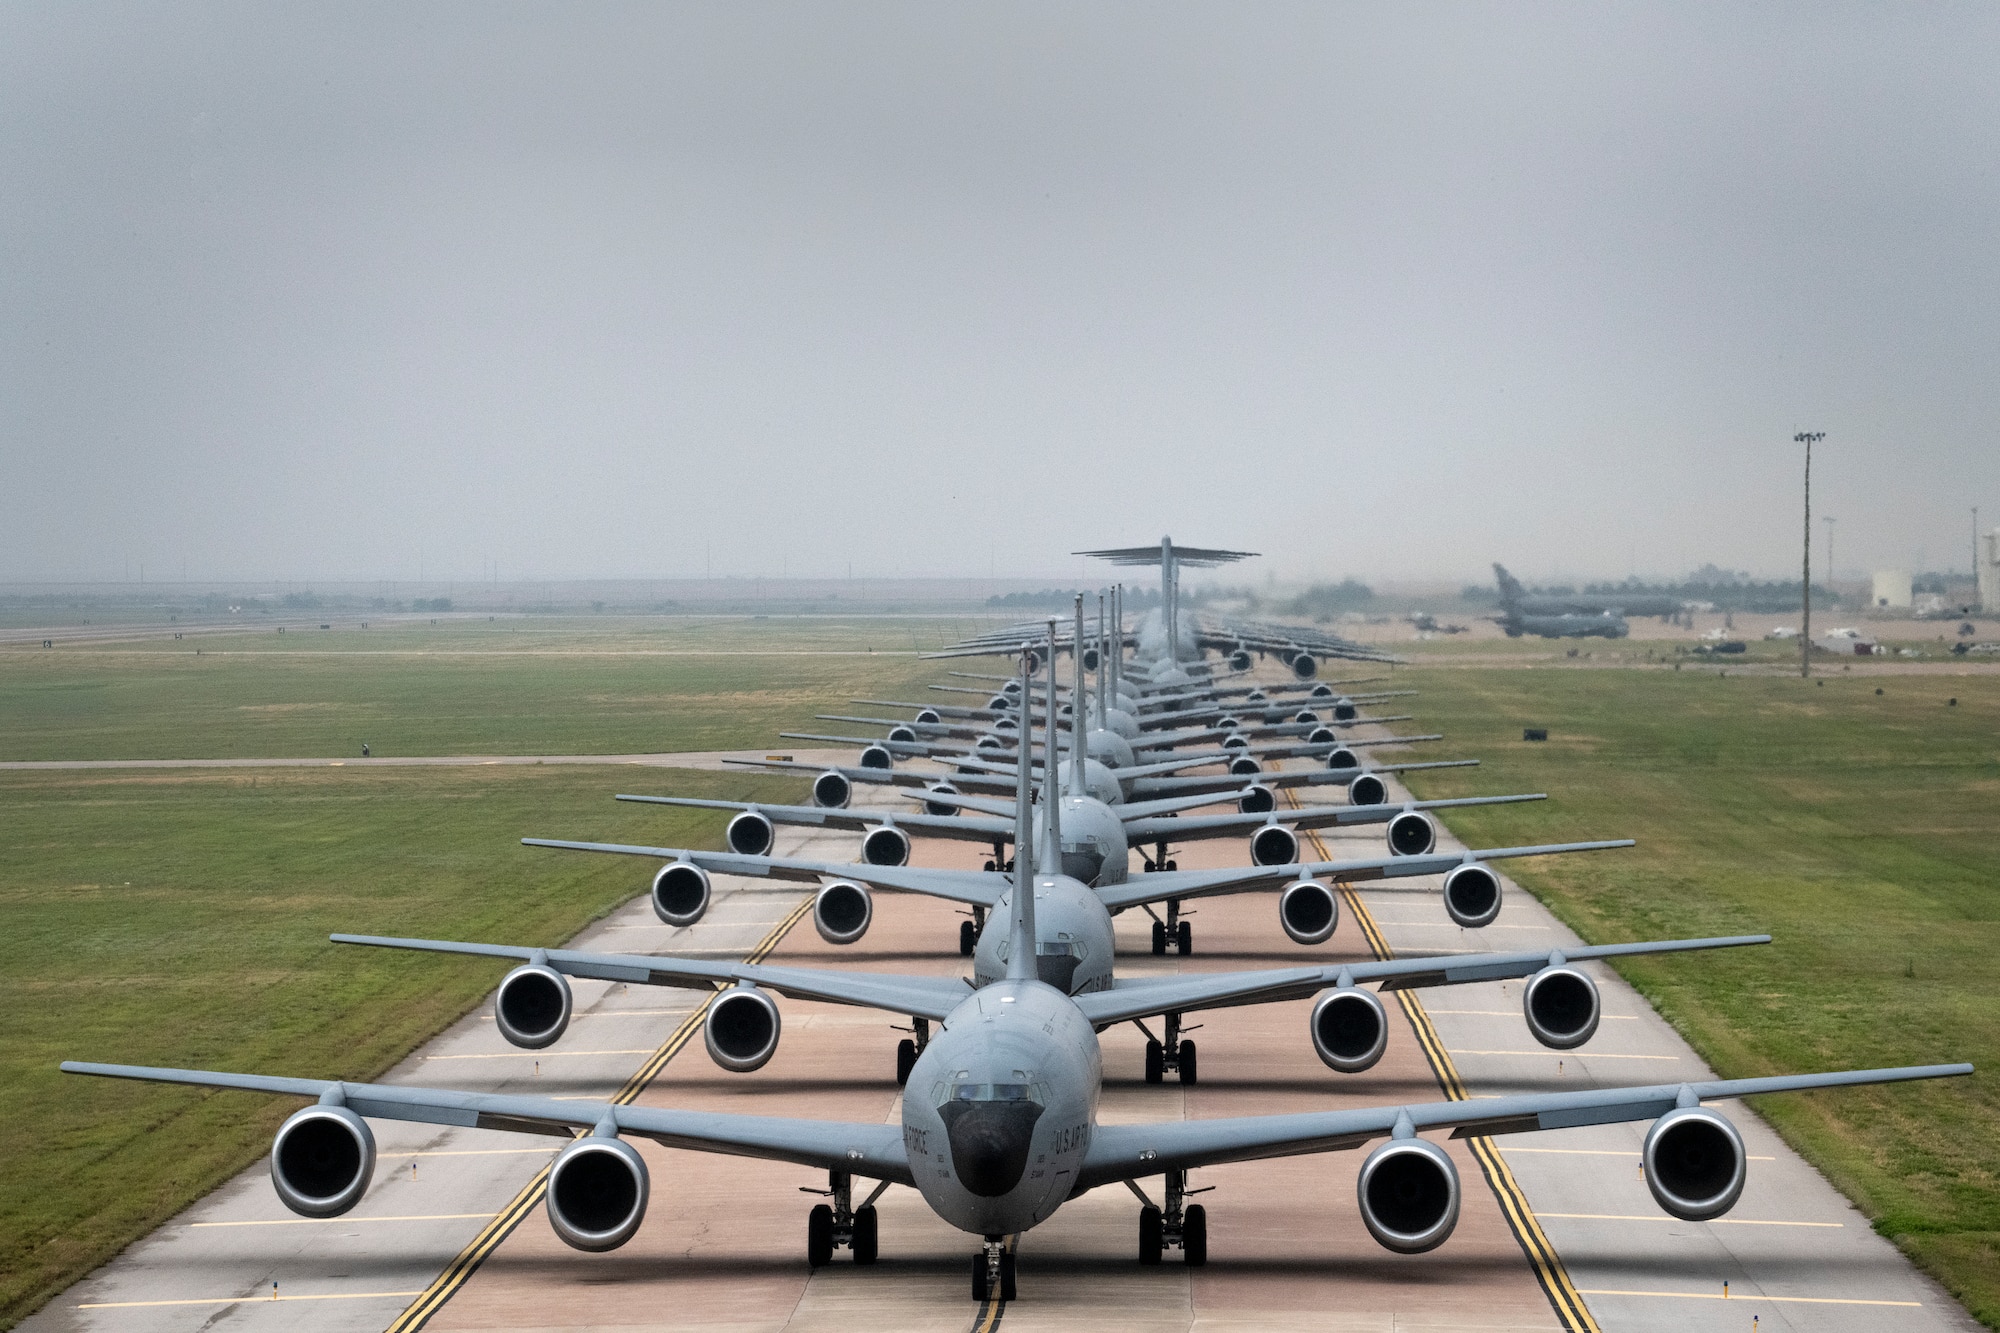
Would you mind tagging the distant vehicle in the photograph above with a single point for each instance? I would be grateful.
(1783, 632)
(1572, 617)
(1982, 649)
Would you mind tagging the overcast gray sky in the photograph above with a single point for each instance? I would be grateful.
(318, 292)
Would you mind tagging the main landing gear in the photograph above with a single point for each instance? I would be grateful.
(840, 1224)
(993, 1271)
(968, 931)
(1180, 1225)
(1171, 1055)
(1175, 930)
(909, 1048)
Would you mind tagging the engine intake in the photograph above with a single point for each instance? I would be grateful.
(842, 911)
(1305, 715)
(1350, 1029)
(1472, 895)
(877, 757)
(1409, 1195)
(532, 1006)
(1412, 834)
(832, 790)
(1366, 789)
(1308, 911)
(886, 846)
(680, 893)
(597, 1193)
(1274, 845)
(1342, 758)
(1694, 1161)
(741, 1030)
(942, 809)
(1239, 660)
(903, 735)
(322, 1160)
(1235, 740)
(1561, 1007)
(1257, 799)
(1304, 666)
(751, 833)
(929, 716)
(1243, 766)
(1091, 659)
(1345, 711)
(1321, 736)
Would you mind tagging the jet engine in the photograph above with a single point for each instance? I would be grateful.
(1345, 711)
(597, 1193)
(1308, 911)
(1350, 1029)
(322, 1161)
(928, 716)
(741, 1030)
(750, 833)
(1257, 799)
(1305, 666)
(903, 734)
(1320, 691)
(941, 808)
(832, 790)
(989, 745)
(1005, 724)
(876, 757)
(1305, 715)
(1367, 789)
(1227, 722)
(1032, 660)
(842, 911)
(1000, 703)
(1343, 758)
(886, 846)
(1472, 895)
(1409, 1195)
(1411, 833)
(532, 1006)
(1236, 740)
(680, 893)
(1274, 845)
(1091, 659)
(1243, 766)
(1322, 736)
(1561, 1007)
(1240, 660)
(1694, 1163)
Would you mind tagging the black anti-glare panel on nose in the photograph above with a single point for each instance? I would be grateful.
(990, 1141)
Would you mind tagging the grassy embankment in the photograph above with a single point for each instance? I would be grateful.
(1858, 829)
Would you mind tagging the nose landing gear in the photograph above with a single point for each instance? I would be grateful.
(909, 1048)
(993, 1271)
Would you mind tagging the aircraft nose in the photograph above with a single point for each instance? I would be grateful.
(990, 1143)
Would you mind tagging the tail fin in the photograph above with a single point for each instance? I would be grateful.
(1510, 587)
(1021, 931)
(1051, 858)
(1079, 707)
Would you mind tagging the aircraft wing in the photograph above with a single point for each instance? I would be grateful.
(863, 1149)
(1159, 887)
(1128, 1152)
(880, 777)
(979, 887)
(1142, 997)
(1304, 777)
(914, 996)
(1303, 816)
(969, 828)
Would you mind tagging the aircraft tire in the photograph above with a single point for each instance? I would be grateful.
(967, 938)
(979, 1277)
(1186, 938)
(906, 1060)
(1156, 1063)
(1150, 1242)
(1194, 1235)
(1159, 938)
(819, 1236)
(1007, 1277)
(1187, 1064)
(867, 1235)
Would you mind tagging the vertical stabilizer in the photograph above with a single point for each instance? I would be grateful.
(1510, 587)
(1079, 709)
(1051, 857)
(1103, 666)
(1021, 931)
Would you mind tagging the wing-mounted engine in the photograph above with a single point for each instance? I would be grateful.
(1091, 659)
(1274, 845)
(929, 716)
(1322, 736)
(741, 1030)
(886, 845)
(1350, 1029)
(832, 790)
(1305, 715)
(1562, 1007)
(1236, 740)
(1000, 703)
(322, 1160)
(989, 745)
(941, 808)
(1308, 911)
(903, 735)
(1239, 659)
(875, 756)
(1694, 1163)
(1411, 833)
(680, 893)
(1305, 666)
(750, 833)
(532, 1006)
(597, 1193)
(1409, 1195)
(1320, 691)
(1257, 799)
(1342, 759)
(1243, 766)
(1472, 895)
(842, 911)
(1344, 710)
(1367, 789)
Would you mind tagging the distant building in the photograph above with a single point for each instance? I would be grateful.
(1892, 590)
(1989, 571)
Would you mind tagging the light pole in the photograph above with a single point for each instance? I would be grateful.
(1808, 438)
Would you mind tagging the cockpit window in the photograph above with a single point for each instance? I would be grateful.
(994, 1092)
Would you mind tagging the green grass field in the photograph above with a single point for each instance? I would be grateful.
(1859, 829)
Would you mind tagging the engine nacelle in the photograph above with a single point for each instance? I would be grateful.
(1694, 1162)
(1367, 789)
(1006, 724)
(1561, 1006)
(1472, 895)
(1274, 845)
(1342, 758)
(1000, 703)
(751, 833)
(1257, 799)
(1305, 715)
(322, 1160)
(1255, 697)
(842, 911)
(1243, 766)
(1240, 660)
(597, 1193)
(1350, 1029)
(1236, 740)
(832, 791)
(1320, 691)
(903, 734)
(1412, 834)
(1308, 911)
(989, 745)
(532, 1006)
(941, 808)
(1305, 666)
(928, 716)
(741, 1030)
(1322, 736)
(1345, 711)
(886, 846)
(1228, 722)
(1032, 660)
(876, 757)
(680, 893)
(1091, 659)
(1409, 1195)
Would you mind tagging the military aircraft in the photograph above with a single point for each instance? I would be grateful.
(998, 1127)
(1569, 616)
